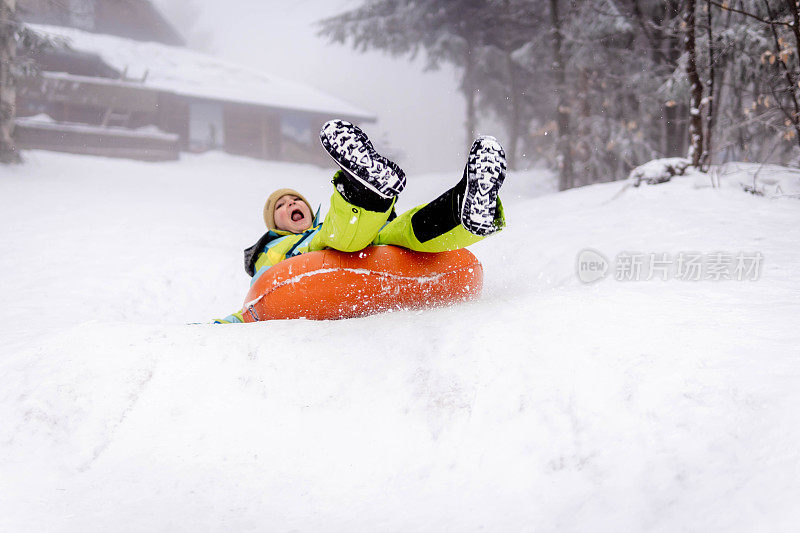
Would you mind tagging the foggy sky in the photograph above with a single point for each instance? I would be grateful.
(420, 114)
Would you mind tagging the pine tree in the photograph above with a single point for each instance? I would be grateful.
(597, 87)
(507, 82)
(566, 179)
(449, 32)
(18, 45)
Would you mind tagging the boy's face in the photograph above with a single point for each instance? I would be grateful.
(292, 214)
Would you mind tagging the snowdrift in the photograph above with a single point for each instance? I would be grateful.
(547, 405)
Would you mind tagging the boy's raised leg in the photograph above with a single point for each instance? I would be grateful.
(485, 172)
(460, 216)
(352, 150)
(365, 189)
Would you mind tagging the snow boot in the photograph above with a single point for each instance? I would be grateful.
(352, 150)
(485, 172)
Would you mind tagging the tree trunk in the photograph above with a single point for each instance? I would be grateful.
(794, 9)
(469, 92)
(792, 115)
(566, 178)
(582, 153)
(674, 130)
(708, 148)
(512, 118)
(696, 119)
(8, 152)
(513, 114)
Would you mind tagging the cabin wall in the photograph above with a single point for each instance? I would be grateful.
(88, 100)
(92, 140)
(275, 134)
(300, 133)
(198, 124)
(173, 117)
(252, 131)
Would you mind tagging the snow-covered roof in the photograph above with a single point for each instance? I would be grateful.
(190, 73)
(45, 122)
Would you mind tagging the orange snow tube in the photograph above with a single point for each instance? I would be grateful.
(330, 284)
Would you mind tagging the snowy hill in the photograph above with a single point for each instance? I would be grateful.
(547, 405)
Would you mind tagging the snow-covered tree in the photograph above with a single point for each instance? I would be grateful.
(17, 45)
(696, 86)
(451, 32)
(8, 47)
(598, 87)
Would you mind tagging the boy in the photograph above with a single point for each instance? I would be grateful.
(362, 206)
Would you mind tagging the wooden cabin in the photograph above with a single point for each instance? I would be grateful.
(132, 90)
(133, 19)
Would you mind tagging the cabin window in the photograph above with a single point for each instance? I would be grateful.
(297, 128)
(206, 127)
(81, 14)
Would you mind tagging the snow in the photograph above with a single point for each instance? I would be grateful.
(45, 122)
(41, 118)
(190, 73)
(767, 180)
(658, 170)
(762, 179)
(547, 405)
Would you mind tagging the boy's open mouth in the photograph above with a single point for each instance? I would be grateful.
(297, 215)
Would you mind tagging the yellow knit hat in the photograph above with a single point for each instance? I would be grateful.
(269, 207)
